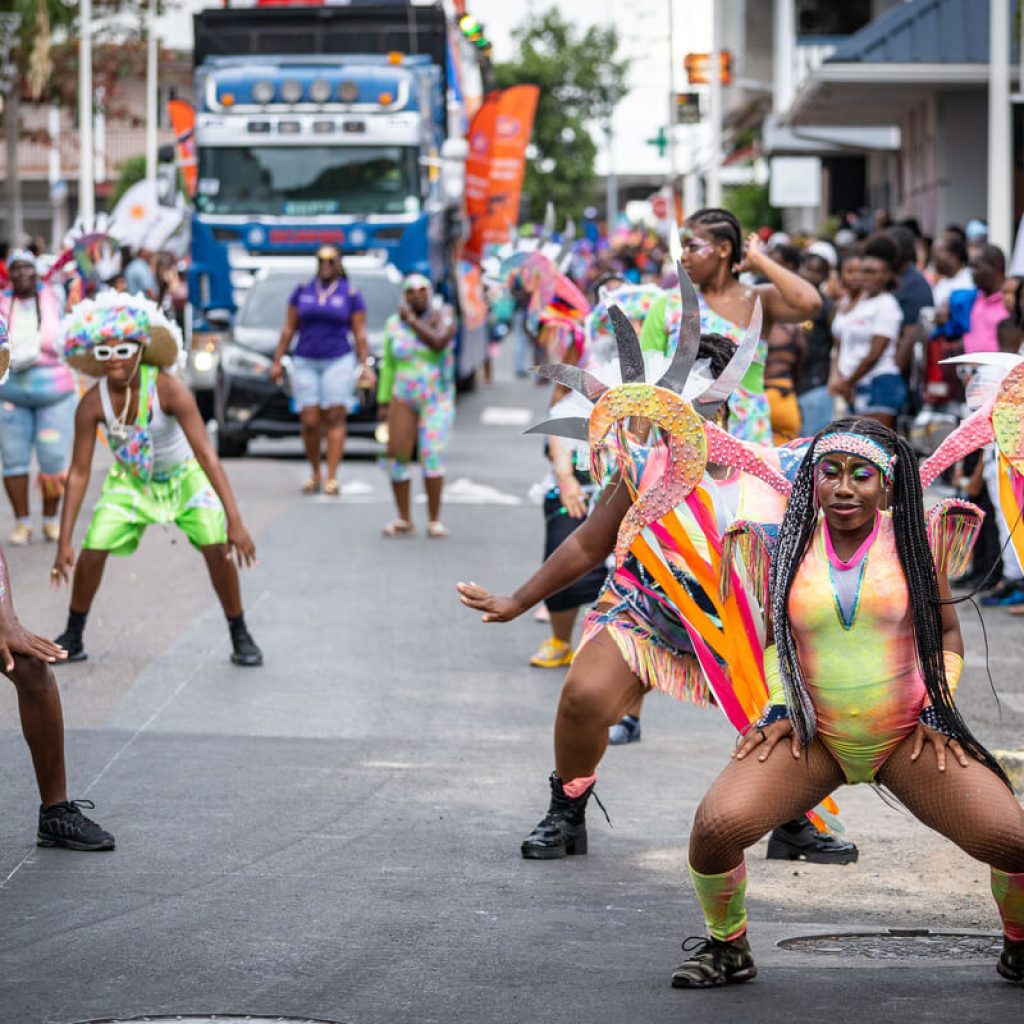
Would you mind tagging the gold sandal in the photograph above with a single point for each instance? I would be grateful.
(311, 486)
(399, 528)
(332, 488)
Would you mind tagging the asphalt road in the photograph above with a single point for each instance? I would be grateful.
(336, 835)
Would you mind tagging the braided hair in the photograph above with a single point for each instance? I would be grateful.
(724, 226)
(915, 556)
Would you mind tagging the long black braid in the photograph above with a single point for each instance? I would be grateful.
(723, 225)
(907, 503)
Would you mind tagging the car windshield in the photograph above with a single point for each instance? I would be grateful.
(265, 302)
(308, 181)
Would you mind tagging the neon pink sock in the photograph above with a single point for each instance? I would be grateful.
(578, 787)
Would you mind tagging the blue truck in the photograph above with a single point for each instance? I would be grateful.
(320, 125)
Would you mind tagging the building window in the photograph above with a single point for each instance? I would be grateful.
(828, 18)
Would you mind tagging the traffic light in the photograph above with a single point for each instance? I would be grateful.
(474, 32)
(698, 68)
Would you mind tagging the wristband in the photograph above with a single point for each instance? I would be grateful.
(930, 717)
(773, 676)
(954, 665)
(772, 714)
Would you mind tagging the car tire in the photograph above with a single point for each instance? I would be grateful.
(231, 446)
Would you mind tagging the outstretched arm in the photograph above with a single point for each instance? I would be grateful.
(176, 400)
(87, 420)
(584, 549)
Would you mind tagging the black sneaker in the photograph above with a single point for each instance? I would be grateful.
(71, 641)
(65, 825)
(1011, 962)
(714, 963)
(800, 840)
(244, 650)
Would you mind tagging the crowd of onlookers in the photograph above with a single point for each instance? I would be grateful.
(896, 303)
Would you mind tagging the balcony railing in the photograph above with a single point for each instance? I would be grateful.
(119, 144)
(810, 56)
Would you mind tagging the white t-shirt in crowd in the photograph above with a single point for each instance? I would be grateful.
(854, 329)
(945, 286)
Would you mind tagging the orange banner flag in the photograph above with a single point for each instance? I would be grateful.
(498, 137)
(183, 121)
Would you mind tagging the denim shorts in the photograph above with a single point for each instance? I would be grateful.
(43, 422)
(325, 383)
(885, 393)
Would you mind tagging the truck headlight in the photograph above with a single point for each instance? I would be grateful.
(243, 362)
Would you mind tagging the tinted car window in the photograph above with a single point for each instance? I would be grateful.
(266, 301)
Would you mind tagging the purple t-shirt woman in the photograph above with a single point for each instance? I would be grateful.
(325, 318)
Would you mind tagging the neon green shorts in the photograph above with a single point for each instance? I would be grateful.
(126, 506)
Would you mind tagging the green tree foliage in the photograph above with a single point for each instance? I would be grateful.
(750, 205)
(580, 83)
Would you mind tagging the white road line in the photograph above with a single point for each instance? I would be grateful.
(506, 416)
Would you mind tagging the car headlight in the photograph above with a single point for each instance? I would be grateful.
(243, 362)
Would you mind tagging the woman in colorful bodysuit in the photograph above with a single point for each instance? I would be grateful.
(416, 396)
(866, 656)
(714, 256)
(634, 640)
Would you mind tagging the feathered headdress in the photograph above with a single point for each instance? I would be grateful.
(681, 407)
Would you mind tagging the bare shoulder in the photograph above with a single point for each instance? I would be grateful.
(91, 405)
(173, 394)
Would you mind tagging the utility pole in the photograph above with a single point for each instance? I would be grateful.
(713, 193)
(673, 172)
(151, 93)
(1000, 136)
(86, 185)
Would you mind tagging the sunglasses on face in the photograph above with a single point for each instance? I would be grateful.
(125, 350)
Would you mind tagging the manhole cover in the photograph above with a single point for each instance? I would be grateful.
(217, 1018)
(899, 944)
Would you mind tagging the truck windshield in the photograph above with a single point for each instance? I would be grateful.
(308, 181)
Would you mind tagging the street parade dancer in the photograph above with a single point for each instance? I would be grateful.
(659, 623)
(165, 469)
(713, 256)
(558, 315)
(26, 659)
(863, 658)
(416, 397)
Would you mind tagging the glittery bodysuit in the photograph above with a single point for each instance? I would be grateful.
(854, 632)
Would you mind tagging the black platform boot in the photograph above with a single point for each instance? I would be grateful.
(562, 832)
(800, 840)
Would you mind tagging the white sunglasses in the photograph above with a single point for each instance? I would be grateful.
(127, 349)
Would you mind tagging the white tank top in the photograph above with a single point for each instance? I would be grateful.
(170, 445)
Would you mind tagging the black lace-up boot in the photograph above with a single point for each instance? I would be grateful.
(243, 648)
(800, 840)
(562, 832)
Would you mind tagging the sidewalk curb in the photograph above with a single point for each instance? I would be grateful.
(1013, 764)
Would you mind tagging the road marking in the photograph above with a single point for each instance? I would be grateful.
(466, 492)
(506, 416)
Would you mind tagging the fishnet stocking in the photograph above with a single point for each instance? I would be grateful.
(751, 797)
(971, 806)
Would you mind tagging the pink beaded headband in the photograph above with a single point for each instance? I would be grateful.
(855, 444)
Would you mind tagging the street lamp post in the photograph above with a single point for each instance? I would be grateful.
(86, 182)
(1000, 157)
(151, 93)
(713, 195)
